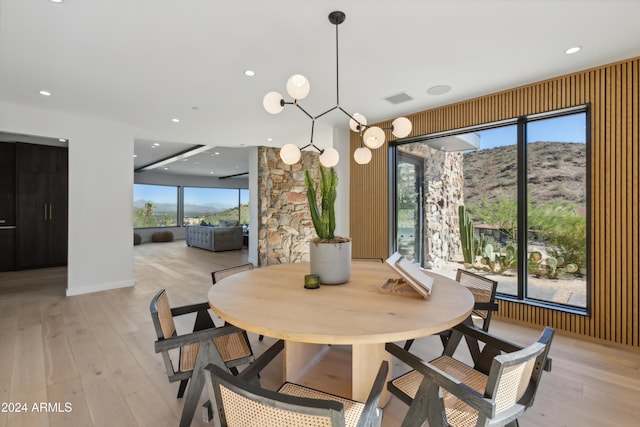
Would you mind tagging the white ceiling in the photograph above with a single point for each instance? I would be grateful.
(144, 62)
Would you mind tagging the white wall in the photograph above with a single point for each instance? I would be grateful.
(100, 253)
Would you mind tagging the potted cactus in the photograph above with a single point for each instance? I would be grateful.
(330, 255)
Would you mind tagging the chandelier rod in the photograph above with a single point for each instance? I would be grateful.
(337, 67)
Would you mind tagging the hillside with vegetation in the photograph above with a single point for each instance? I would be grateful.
(557, 171)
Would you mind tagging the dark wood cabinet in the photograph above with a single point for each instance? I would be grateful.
(7, 206)
(41, 206)
(7, 184)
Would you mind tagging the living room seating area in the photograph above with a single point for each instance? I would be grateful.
(215, 238)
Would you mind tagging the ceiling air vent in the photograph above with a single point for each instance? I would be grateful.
(399, 98)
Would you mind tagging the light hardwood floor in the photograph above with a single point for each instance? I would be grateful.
(96, 353)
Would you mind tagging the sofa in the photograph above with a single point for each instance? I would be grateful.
(214, 238)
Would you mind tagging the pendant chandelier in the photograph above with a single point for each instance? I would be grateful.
(371, 137)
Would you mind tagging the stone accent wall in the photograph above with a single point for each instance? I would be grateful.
(285, 228)
(443, 193)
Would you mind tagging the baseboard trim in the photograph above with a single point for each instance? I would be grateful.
(80, 290)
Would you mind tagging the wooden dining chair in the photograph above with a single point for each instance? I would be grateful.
(240, 401)
(179, 352)
(499, 388)
(218, 275)
(483, 290)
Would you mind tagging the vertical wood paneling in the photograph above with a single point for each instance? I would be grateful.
(612, 91)
(634, 190)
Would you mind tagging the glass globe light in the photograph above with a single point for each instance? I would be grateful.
(401, 127)
(298, 86)
(362, 155)
(272, 102)
(373, 137)
(329, 157)
(360, 120)
(290, 154)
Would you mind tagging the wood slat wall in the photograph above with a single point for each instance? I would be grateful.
(613, 94)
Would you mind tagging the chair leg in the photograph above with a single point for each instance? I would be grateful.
(260, 337)
(207, 353)
(233, 370)
(182, 388)
(407, 345)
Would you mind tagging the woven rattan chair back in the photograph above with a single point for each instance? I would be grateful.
(483, 290)
(165, 328)
(512, 379)
(162, 317)
(240, 404)
(218, 275)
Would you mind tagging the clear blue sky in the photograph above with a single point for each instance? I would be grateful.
(570, 128)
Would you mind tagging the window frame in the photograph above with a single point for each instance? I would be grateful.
(522, 232)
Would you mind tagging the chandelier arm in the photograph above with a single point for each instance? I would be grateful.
(328, 111)
(313, 125)
(304, 111)
(312, 145)
(362, 125)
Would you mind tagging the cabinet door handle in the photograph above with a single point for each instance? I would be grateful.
(50, 212)
(45, 212)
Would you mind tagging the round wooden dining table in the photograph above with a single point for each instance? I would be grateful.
(272, 301)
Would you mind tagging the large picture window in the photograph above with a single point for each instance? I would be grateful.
(215, 206)
(524, 184)
(155, 206)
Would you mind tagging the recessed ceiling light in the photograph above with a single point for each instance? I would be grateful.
(45, 93)
(269, 139)
(439, 90)
(62, 140)
(135, 155)
(56, 1)
(175, 120)
(211, 172)
(249, 73)
(166, 168)
(217, 153)
(573, 50)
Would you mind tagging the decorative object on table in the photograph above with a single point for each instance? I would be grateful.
(330, 255)
(399, 286)
(311, 281)
(371, 137)
(411, 273)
